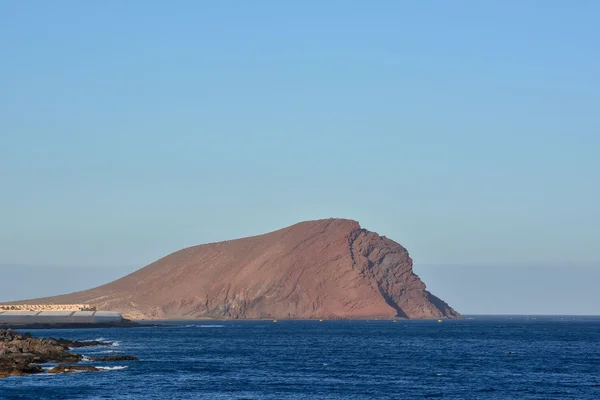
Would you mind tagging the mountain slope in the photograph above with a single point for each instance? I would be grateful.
(319, 269)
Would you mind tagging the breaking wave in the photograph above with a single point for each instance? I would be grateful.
(115, 368)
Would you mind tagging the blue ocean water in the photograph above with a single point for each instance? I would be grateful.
(478, 358)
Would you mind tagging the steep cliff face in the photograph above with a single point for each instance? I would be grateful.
(319, 269)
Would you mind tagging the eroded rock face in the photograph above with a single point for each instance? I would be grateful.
(25, 349)
(10, 366)
(20, 354)
(65, 369)
(319, 269)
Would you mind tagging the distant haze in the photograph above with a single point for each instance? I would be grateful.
(568, 289)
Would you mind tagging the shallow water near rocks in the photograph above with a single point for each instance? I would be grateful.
(479, 358)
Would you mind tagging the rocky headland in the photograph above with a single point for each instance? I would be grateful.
(325, 269)
(22, 354)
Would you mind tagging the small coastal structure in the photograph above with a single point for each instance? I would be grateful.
(46, 307)
(16, 318)
(55, 314)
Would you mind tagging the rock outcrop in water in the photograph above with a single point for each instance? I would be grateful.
(21, 354)
(319, 269)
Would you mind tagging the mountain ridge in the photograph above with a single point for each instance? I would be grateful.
(331, 268)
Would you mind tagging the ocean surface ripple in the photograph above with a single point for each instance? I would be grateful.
(478, 358)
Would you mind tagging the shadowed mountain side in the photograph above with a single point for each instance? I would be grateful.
(319, 269)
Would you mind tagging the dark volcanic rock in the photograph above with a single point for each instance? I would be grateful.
(20, 354)
(13, 367)
(25, 348)
(62, 368)
(319, 269)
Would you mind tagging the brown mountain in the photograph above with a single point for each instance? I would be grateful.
(319, 269)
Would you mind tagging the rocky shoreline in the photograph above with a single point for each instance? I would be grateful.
(22, 354)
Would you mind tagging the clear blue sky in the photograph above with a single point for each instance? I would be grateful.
(467, 131)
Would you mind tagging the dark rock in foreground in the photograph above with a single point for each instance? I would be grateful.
(15, 367)
(20, 354)
(62, 368)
